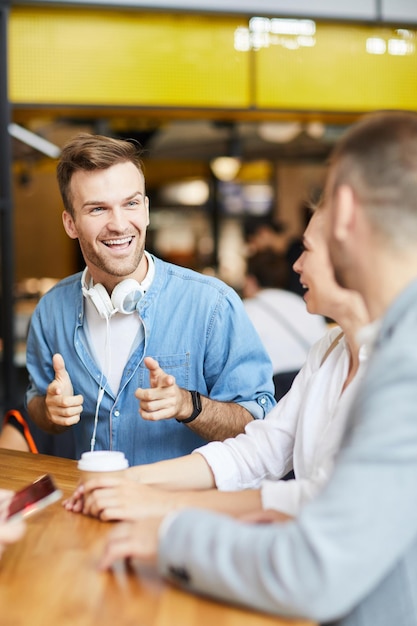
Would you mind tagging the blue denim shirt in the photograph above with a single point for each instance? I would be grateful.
(195, 326)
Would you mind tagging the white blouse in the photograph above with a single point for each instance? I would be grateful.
(302, 432)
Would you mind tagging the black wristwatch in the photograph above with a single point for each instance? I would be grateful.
(197, 408)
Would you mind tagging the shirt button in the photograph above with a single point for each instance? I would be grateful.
(116, 413)
(263, 400)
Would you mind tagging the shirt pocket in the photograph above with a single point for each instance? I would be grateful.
(178, 365)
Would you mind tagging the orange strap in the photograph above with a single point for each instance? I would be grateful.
(26, 432)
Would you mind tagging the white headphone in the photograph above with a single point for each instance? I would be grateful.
(124, 298)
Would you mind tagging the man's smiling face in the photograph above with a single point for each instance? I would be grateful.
(111, 215)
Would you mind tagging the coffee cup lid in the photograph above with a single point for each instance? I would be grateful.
(102, 461)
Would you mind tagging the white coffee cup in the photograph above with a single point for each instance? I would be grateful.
(108, 462)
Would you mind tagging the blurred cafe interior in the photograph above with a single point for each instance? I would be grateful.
(236, 105)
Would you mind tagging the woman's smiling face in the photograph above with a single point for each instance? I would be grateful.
(322, 292)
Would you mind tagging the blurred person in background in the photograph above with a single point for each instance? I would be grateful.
(274, 235)
(19, 432)
(280, 317)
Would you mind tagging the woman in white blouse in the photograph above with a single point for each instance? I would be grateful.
(303, 432)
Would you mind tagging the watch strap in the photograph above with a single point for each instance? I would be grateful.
(197, 408)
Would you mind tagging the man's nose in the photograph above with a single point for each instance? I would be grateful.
(116, 219)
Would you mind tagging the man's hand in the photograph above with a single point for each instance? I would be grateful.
(62, 407)
(164, 399)
(5, 497)
(132, 540)
(9, 531)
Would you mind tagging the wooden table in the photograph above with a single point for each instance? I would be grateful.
(50, 577)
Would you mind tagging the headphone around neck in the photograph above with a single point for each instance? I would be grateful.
(124, 298)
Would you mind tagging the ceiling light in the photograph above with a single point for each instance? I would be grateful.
(315, 130)
(225, 168)
(188, 193)
(279, 132)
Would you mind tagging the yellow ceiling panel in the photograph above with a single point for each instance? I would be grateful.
(115, 58)
(146, 59)
(341, 67)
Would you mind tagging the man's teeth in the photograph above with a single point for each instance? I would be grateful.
(118, 242)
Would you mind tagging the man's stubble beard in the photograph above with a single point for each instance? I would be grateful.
(117, 268)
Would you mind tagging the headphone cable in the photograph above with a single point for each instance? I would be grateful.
(101, 388)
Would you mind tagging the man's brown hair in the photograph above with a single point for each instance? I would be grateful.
(86, 152)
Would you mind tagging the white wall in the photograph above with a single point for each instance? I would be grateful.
(402, 11)
(367, 10)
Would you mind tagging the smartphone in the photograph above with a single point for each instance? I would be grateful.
(33, 498)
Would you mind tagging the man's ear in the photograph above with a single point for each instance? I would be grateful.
(69, 225)
(344, 213)
(147, 209)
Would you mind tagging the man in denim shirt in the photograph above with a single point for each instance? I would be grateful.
(136, 354)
